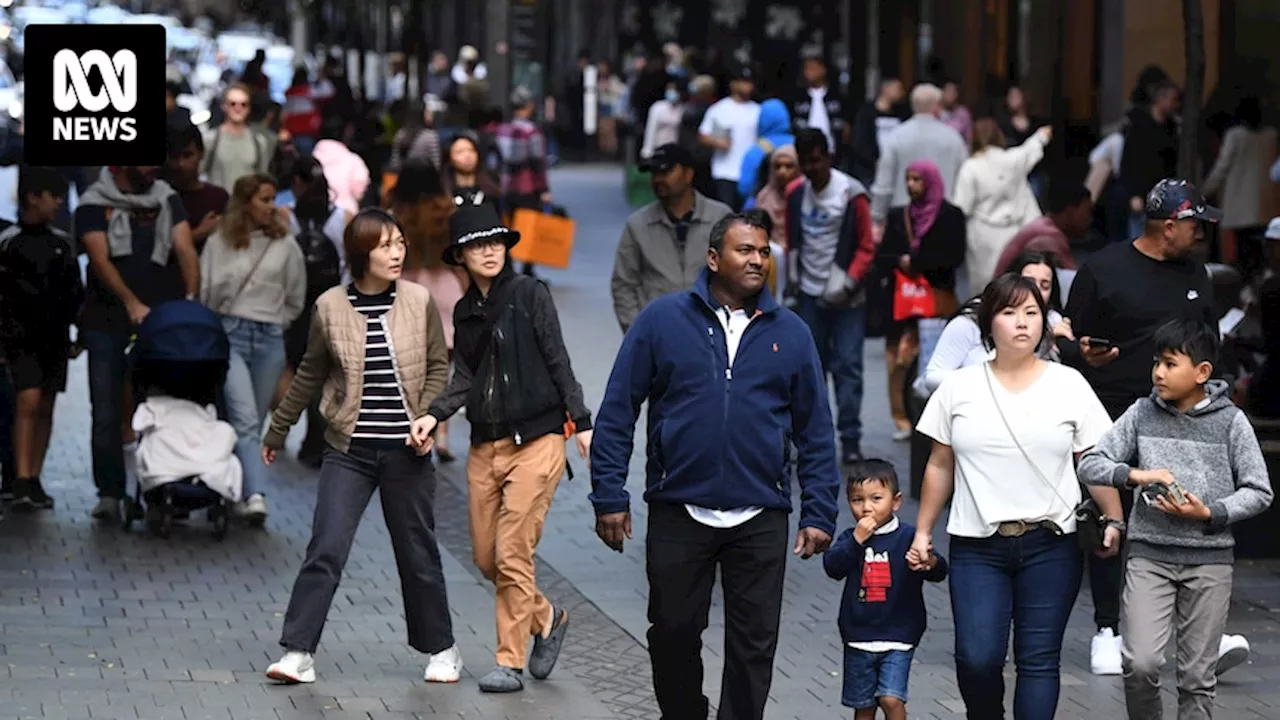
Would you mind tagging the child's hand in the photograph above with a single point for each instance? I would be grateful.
(865, 528)
(918, 563)
(1192, 509)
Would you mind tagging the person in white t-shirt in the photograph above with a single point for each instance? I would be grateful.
(729, 126)
(1005, 435)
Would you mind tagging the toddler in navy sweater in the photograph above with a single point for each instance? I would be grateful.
(882, 614)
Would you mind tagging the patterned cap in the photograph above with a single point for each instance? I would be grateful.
(1175, 199)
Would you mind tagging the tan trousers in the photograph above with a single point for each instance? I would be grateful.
(510, 488)
(1158, 599)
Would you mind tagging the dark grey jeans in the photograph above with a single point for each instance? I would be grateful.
(407, 485)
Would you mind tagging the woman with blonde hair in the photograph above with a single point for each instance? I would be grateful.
(995, 195)
(253, 274)
(422, 204)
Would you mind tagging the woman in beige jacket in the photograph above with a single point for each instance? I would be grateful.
(995, 196)
(1239, 178)
(376, 353)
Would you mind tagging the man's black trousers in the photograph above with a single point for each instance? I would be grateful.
(681, 557)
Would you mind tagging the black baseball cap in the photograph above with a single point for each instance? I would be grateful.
(666, 157)
(1177, 199)
(742, 71)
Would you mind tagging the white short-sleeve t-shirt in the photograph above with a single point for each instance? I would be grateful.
(1054, 417)
(736, 121)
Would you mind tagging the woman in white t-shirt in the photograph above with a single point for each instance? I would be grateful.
(960, 344)
(1005, 436)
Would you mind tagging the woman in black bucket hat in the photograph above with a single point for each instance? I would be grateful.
(512, 372)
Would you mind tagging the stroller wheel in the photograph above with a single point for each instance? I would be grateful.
(158, 520)
(221, 520)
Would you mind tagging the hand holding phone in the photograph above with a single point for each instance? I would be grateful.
(1097, 343)
(1098, 351)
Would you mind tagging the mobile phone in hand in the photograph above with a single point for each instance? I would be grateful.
(1097, 343)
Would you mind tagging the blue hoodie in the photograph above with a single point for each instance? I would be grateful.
(719, 435)
(774, 129)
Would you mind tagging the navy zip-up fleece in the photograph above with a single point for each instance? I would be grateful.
(719, 435)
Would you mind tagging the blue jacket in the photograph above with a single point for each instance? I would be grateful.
(719, 436)
(883, 599)
(773, 130)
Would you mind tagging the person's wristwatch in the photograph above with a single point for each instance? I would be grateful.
(1117, 524)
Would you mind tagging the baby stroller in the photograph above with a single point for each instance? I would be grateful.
(185, 456)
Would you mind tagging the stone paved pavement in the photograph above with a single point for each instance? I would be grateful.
(97, 624)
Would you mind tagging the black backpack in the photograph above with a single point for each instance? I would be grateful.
(324, 264)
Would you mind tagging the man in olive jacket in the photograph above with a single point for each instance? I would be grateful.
(664, 244)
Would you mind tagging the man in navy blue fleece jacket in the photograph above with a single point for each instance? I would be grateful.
(733, 380)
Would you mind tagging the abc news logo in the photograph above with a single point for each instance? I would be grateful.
(71, 91)
(95, 95)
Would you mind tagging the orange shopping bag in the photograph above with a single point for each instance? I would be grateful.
(545, 239)
(389, 180)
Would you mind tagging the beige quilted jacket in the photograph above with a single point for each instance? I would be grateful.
(334, 362)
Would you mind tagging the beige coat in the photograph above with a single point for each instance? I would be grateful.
(334, 362)
(1240, 177)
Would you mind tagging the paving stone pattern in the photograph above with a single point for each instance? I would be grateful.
(98, 624)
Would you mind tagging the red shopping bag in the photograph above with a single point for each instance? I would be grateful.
(912, 297)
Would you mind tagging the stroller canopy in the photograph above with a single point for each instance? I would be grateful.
(183, 331)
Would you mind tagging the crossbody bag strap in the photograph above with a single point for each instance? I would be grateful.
(986, 371)
(245, 283)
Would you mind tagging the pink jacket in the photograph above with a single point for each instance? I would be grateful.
(346, 173)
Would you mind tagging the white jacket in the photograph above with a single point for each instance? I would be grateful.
(178, 439)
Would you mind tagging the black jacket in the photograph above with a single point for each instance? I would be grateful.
(839, 113)
(1150, 152)
(511, 368)
(41, 290)
(939, 253)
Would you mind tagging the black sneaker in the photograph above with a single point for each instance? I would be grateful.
(851, 456)
(6, 489)
(24, 497)
(39, 497)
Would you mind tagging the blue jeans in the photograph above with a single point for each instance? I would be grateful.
(869, 676)
(108, 369)
(257, 361)
(1031, 582)
(839, 334)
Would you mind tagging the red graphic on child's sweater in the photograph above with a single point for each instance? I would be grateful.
(876, 578)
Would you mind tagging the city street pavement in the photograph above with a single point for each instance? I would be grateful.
(98, 624)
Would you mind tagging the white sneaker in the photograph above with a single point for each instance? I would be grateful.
(1104, 654)
(444, 667)
(254, 509)
(1233, 650)
(295, 667)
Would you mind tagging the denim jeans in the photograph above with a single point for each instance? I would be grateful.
(839, 334)
(1030, 582)
(257, 361)
(406, 483)
(108, 368)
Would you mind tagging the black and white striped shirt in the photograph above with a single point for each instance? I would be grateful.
(383, 418)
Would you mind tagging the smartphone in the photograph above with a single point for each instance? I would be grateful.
(1173, 492)
(1230, 321)
(1100, 343)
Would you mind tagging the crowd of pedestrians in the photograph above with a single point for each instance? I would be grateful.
(1074, 421)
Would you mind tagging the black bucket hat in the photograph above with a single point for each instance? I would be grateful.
(474, 222)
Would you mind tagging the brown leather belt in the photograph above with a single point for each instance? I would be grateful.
(1018, 528)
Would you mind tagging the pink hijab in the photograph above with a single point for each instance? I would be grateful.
(924, 210)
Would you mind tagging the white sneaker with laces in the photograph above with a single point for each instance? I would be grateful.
(1104, 653)
(295, 667)
(444, 667)
(254, 509)
(1233, 650)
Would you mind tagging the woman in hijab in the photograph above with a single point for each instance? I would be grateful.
(783, 169)
(924, 240)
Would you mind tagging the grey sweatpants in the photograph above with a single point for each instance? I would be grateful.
(1159, 598)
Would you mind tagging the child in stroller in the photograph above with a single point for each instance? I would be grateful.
(185, 458)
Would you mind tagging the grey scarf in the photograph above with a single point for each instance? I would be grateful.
(106, 193)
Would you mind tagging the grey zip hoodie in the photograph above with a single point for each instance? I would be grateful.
(1212, 452)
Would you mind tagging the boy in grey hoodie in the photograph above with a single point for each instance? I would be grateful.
(1178, 573)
